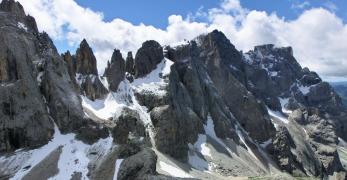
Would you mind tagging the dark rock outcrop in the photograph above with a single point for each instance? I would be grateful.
(92, 87)
(13, 7)
(85, 60)
(115, 70)
(16, 10)
(35, 85)
(128, 122)
(138, 165)
(71, 64)
(147, 58)
(282, 145)
(151, 99)
(24, 119)
(321, 134)
(84, 64)
(323, 96)
(224, 68)
(141, 166)
(62, 99)
(129, 64)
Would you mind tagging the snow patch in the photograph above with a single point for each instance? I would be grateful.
(22, 26)
(284, 102)
(248, 59)
(242, 138)
(154, 81)
(173, 171)
(196, 161)
(104, 108)
(304, 89)
(200, 147)
(162, 69)
(118, 163)
(278, 115)
(72, 159)
(273, 73)
(266, 143)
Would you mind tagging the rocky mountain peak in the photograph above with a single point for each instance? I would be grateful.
(268, 49)
(115, 70)
(85, 59)
(225, 54)
(147, 57)
(216, 38)
(12, 7)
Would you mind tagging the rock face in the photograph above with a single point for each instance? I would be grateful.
(273, 73)
(138, 165)
(147, 58)
(71, 64)
(85, 60)
(58, 89)
(129, 63)
(92, 87)
(225, 67)
(24, 118)
(115, 70)
(282, 143)
(34, 78)
(193, 99)
(322, 136)
(71, 67)
(141, 166)
(128, 123)
(84, 64)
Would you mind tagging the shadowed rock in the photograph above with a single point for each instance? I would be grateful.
(85, 60)
(24, 120)
(115, 70)
(147, 58)
(129, 63)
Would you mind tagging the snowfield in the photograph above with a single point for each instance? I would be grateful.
(73, 158)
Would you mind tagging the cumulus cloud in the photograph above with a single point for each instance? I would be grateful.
(317, 35)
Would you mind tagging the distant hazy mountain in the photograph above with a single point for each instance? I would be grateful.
(341, 89)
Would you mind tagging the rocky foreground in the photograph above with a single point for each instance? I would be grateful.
(200, 110)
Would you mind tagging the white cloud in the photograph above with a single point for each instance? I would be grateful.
(317, 35)
(301, 5)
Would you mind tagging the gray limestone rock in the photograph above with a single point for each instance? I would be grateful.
(147, 57)
(115, 70)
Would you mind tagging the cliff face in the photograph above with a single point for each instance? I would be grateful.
(205, 111)
(24, 118)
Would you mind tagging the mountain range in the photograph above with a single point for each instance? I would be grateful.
(198, 110)
(341, 89)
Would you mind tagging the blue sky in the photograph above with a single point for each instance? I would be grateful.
(155, 12)
(314, 28)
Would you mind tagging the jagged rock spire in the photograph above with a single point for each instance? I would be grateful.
(85, 60)
(147, 58)
(115, 70)
(129, 63)
(71, 63)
